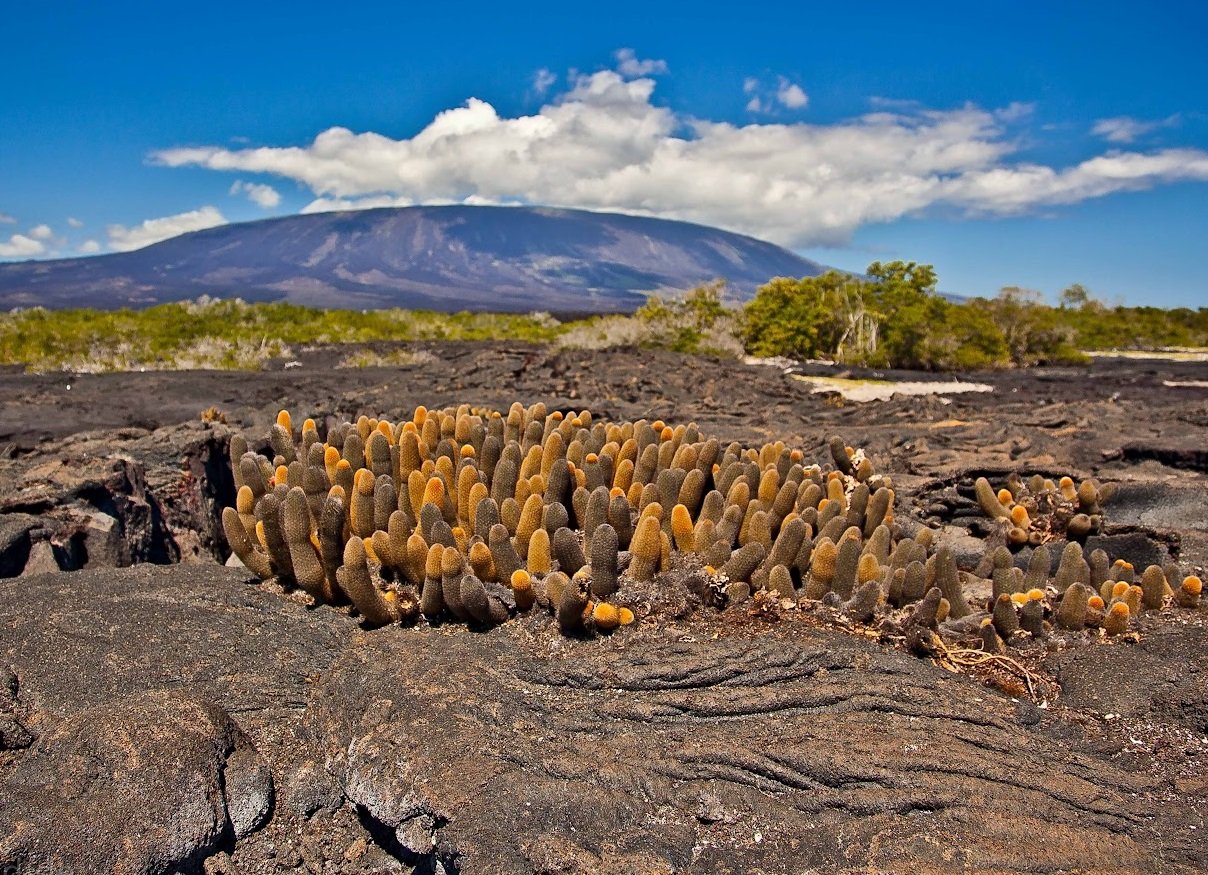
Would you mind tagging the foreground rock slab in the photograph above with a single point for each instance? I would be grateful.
(743, 753)
(183, 720)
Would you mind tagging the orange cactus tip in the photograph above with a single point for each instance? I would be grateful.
(314, 540)
(615, 491)
(591, 458)
(658, 425)
(796, 455)
(337, 491)
(1095, 602)
(851, 451)
(1005, 497)
(986, 621)
(309, 425)
(386, 429)
(1019, 598)
(331, 456)
(434, 491)
(710, 570)
(1019, 516)
(1192, 585)
(833, 475)
(467, 452)
(411, 427)
(369, 551)
(625, 616)
(363, 481)
(716, 467)
(666, 434)
(421, 414)
(284, 420)
(822, 504)
(1035, 595)
(606, 616)
(521, 579)
(343, 465)
(1119, 609)
(260, 533)
(1065, 482)
(281, 474)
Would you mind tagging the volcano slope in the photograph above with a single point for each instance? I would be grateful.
(188, 717)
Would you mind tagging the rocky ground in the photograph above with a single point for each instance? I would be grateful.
(177, 715)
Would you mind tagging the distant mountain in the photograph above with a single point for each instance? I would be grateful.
(439, 258)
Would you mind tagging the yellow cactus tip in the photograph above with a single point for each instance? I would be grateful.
(411, 427)
(331, 456)
(625, 616)
(1192, 585)
(314, 540)
(467, 452)
(1035, 595)
(606, 616)
(658, 426)
(338, 492)
(369, 551)
(591, 458)
(1119, 609)
(1005, 497)
(1119, 588)
(309, 425)
(1019, 598)
(521, 579)
(281, 475)
(667, 433)
(363, 481)
(710, 570)
(1065, 482)
(615, 492)
(284, 420)
(1019, 516)
(1095, 602)
(986, 621)
(851, 451)
(343, 465)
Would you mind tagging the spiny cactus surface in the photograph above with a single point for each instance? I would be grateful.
(479, 516)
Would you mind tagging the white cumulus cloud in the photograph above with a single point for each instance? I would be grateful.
(1125, 129)
(263, 196)
(21, 246)
(603, 144)
(74, 222)
(123, 239)
(6, 219)
(631, 66)
(791, 95)
(41, 232)
(89, 247)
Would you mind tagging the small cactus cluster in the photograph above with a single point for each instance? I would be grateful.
(478, 516)
(1038, 510)
(1097, 594)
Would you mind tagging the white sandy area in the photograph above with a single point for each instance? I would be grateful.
(883, 390)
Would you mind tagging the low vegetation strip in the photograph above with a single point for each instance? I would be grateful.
(892, 317)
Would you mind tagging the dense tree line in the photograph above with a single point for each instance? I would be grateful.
(893, 317)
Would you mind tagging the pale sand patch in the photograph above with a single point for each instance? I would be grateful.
(1180, 354)
(883, 390)
(1186, 384)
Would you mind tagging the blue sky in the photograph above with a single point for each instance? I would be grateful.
(1007, 144)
